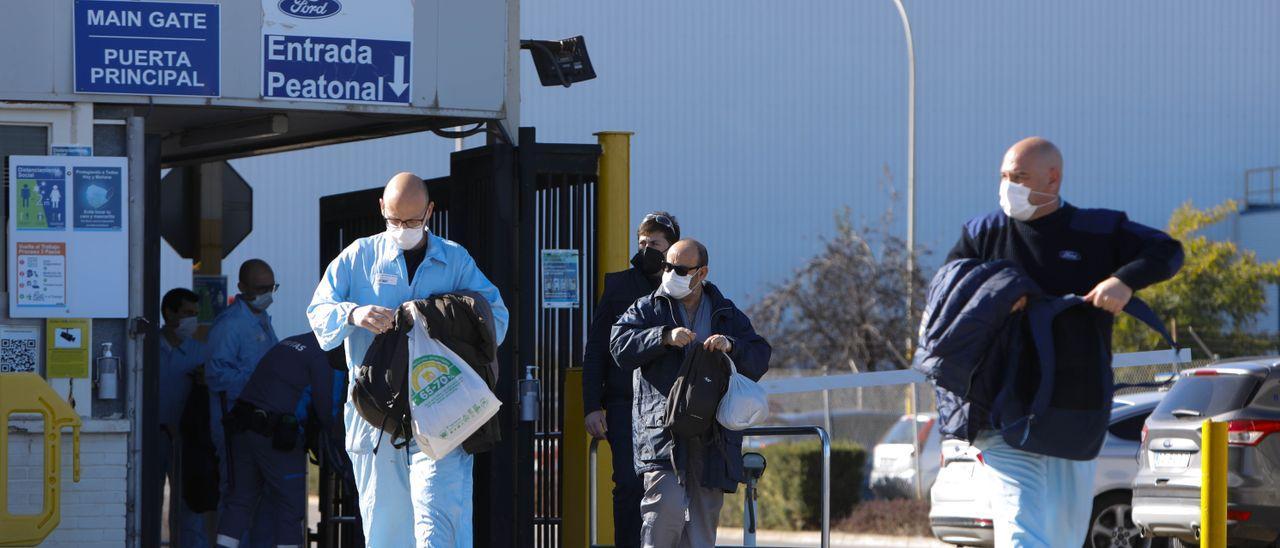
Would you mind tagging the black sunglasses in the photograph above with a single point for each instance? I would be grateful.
(662, 220)
(679, 270)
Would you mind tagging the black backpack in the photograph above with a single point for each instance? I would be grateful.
(694, 398)
(381, 392)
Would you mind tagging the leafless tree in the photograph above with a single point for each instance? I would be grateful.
(846, 307)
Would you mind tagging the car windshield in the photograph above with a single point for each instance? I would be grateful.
(901, 431)
(1201, 397)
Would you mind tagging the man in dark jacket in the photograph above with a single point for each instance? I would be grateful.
(682, 506)
(606, 387)
(294, 379)
(1098, 253)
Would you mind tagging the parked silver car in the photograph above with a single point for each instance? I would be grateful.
(961, 514)
(893, 470)
(1245, 393)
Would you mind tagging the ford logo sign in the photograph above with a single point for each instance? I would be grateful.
(310, 9)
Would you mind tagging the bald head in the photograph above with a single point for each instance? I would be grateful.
(1035, 163)
(256, 278)
(405, 198)
(1039, 149)
(687, 252)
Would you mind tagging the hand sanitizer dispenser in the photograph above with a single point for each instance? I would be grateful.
(108, 374)
(530, 392)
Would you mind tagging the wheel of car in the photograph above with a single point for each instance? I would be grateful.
(1111, 523)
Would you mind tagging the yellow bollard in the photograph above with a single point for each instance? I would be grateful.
(1213, 484)
(29, 393)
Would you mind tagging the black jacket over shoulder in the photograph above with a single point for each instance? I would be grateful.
(637, 344)
(1069, 252)
(604, 383)
(461, 321)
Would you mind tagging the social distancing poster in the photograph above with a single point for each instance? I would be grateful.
(68, 248)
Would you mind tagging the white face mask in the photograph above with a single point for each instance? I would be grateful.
(677, 287)
(1015, 200)
(407, 238)
(187, 327)
(261, 302)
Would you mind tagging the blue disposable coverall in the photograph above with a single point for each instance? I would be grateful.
(401, 492)
(239, 338)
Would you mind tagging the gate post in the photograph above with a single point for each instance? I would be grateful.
(612, 213)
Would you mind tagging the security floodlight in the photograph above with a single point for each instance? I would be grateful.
(560, 62)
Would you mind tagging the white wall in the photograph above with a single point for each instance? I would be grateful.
(93, 510)
(758, 121)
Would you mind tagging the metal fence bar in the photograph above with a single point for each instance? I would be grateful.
(819, 383)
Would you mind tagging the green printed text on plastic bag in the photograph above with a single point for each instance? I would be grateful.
(432, 379)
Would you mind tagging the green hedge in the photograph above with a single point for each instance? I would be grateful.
(790, 493)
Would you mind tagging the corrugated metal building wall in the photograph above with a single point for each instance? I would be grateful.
(757, 121)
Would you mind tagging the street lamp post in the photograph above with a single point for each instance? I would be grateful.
(911, 222)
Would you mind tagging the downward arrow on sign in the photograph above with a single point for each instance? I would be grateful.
(398, 85)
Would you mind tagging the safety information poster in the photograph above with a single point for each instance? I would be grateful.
(40, 191)
(19, 349)
(98, 197)
(67, 348)
(213, 296)
(68, 238)
(560, 278)
(42, 274)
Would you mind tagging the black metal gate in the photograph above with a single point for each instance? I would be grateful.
(505, 206)
(564, 219)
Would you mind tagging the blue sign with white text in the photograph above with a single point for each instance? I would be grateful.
(343, 70)
(147, 48)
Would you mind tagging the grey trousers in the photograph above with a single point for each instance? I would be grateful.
(677, 515)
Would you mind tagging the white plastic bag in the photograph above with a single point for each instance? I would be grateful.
(744, 404)
(447, 399)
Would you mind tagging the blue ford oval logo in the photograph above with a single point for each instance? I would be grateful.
(310, 9)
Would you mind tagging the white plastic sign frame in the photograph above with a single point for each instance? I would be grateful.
(70, 217)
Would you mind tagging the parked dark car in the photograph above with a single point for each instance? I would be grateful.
(1244, 393)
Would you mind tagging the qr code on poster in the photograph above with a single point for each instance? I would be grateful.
(17, 355)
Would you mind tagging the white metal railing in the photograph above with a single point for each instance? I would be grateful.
(793, 385)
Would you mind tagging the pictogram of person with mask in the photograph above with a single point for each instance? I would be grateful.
(1100, 254)
(240, 336)
(606, 387)
(404, 494)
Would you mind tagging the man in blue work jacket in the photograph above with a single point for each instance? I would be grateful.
(241, 335)
(606, 387)
(402, 493)
(1098, 253)
(180, 355)
(294, 380)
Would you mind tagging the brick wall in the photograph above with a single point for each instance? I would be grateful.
(93, 510)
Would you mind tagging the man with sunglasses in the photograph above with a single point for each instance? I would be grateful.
(606, 388)
(403, 493)
(685, 479)
(240, 336)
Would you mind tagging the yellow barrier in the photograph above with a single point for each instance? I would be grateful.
(1213, 484)
(613, 237)
(29, 393)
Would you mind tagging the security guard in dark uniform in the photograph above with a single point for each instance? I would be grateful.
(295, 379)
